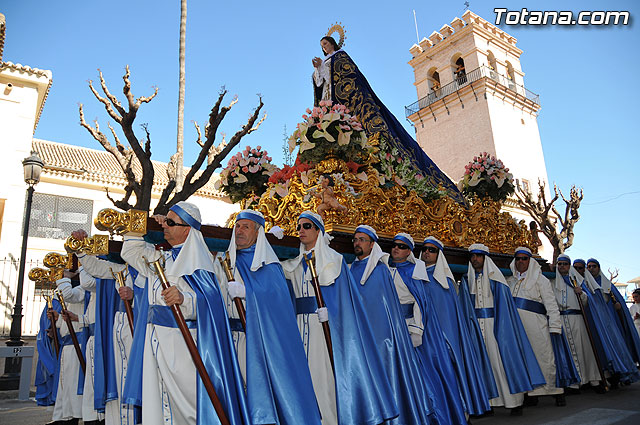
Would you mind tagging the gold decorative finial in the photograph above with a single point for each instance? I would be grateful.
(95, 245)
(337, 28)
(42, 278)
(116, 222)
(58, 263)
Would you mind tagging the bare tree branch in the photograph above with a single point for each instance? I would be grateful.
(547, 217)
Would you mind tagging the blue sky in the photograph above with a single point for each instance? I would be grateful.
(586, 78)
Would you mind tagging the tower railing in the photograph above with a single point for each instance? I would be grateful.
(464, 79)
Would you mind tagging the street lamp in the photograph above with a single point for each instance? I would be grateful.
(32, 168)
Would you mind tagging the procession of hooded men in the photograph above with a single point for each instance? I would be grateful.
(247, 338)
(390, 338)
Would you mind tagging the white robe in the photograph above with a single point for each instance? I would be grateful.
(537, 326)
(315, 347)
(89, 413)
(169, 375)
(634, 309)
(484, 299)
(68, 403)
(239, 337)
(576, 333)
(115, 411)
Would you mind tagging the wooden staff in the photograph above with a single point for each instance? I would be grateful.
(242, 314)
(321, 304)
(121, 278)
(72, 331)
(591, 340)
(191, 345)
(54, 331)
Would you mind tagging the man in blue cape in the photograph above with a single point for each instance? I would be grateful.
(68, 402)
(171, 390)
(574, 324)
(471, 363)
(538, 309)
(410, 279)
(515, 368)
(617, 308)
(112, 335)
(611, 348)
(411, 391)
(47, 357)
(279, 387)
(357, 392)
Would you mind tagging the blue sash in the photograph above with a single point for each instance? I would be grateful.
(485, 313)
(407, 310)
(235, 325)
(161, 315)
(65, 340)
(91, 328)
(530, 305)
(570, 311)
(306, 305)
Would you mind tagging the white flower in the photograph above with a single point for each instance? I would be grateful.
(240, 179)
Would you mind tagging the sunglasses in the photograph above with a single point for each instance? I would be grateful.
(170, 222)
(401, 246)
(431, 249)
(563, 263)
(305, 226)
(592, 266)
(522, 258)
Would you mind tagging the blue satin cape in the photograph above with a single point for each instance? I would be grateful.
(520, 365)
(610, 346)
(457, 336)
(411, 392)
(624, 323)
(475, 336)
(215, 345)
(108, 302)
(132, 393)
(566, 372)
(279, 386)
(363, 392)
(48, 362)
(434, 353)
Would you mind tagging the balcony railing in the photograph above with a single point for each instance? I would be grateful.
(466, 79)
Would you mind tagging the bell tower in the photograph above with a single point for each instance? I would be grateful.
(472, 99)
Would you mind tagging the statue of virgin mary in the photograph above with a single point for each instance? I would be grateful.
(337, 78)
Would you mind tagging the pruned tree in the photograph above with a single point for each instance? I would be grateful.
(135, 159)
(613, 274)
(547, 216)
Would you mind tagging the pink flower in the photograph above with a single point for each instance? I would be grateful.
(254, 152)
(258, 147)
(254, 168)
(233, 174)
(481, 169)
(305, 117)
(308, 111)
(245, 169)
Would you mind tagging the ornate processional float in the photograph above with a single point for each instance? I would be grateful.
(356, 164)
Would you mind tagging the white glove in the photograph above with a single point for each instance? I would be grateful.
(236, 290)
(277, 232)
(64, 285)
(323, 314)
(416, 339)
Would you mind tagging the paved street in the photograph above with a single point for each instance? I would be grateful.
(621, 406)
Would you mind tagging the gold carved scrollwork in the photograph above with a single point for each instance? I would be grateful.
(95, 245)
(133, 222)
(394, 209)
(43, 278)
(58, 263)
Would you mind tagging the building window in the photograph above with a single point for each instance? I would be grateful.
(55, 217)
(526, 186)
(460, 73)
